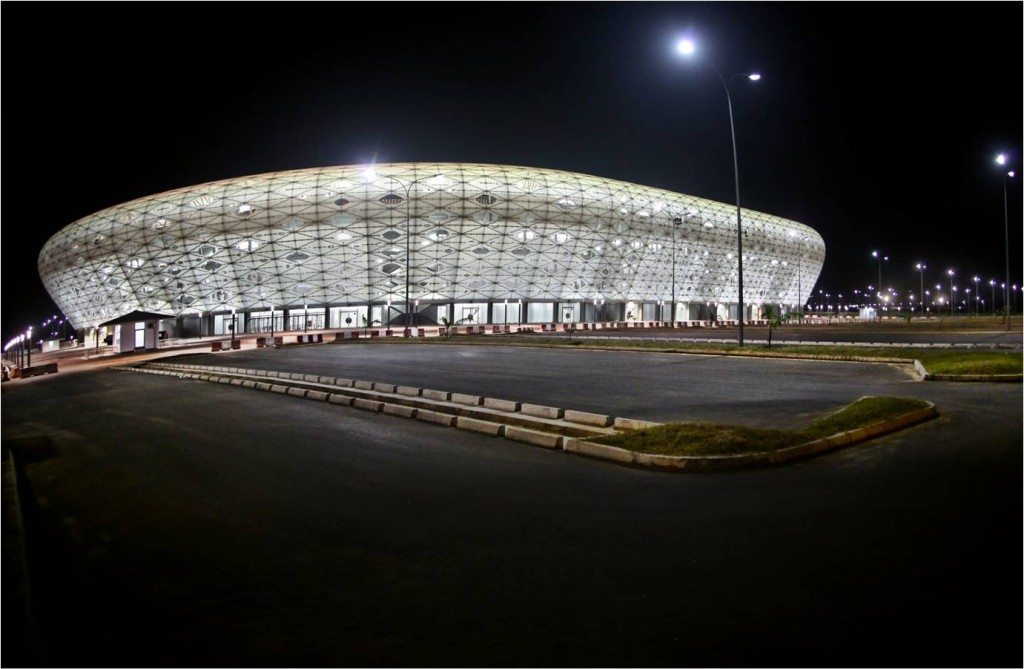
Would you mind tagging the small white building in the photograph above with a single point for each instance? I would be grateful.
(867, 314)
(135, 331)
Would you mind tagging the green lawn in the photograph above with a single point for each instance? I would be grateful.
(718, 439)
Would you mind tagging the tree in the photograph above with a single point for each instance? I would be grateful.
(448, 325)
(774, 317)
(367, 324)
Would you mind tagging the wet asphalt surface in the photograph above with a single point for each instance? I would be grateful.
(183, 522)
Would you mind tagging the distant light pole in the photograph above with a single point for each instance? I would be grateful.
(232, 327)
(977, 295)
(880, 257)
(686, 47)
(1001, 160)
(952, 299)
(29, 349)
(921, 267)
(676, 222)
(992, 287)
(271, 323)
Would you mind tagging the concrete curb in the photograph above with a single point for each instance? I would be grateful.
(970, 378)
(749, 460)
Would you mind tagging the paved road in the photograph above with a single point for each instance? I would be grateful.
(818, 333)
(651, 386)
(181, 522)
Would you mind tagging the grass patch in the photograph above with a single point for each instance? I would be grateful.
(719, 439)
(937, 361)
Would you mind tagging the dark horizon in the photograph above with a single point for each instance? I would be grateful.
(874, 132)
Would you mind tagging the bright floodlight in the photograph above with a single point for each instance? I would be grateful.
(686, 47)
(874, 253)
(754, 77)
(1011, 174)
(370, 174)
(1001, 159)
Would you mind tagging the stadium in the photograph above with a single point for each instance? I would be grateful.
(339, 247)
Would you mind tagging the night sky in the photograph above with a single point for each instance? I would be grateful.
(875, 124)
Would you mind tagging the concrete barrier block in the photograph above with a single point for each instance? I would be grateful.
(329, 380)
(384, 387)
(599, 451)
(234, 382)
(408, 391)
(481, 426)
(344, 383)
(399, 410)
(533, 437)
(223, 379)
(279, 389)
(471, 400)
(367, 405)
(435, 417)
(298, 392)
(271, 372)
(343, 400)
(436, 395)
(587, 418)
(363, 385)
(632, 424)
(317, 395)
(541, 411)
(261, 386)
(315, 378)
(501, 405)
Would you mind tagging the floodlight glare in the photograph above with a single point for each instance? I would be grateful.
(686, 47)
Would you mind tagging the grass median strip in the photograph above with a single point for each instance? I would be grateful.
(698, 439)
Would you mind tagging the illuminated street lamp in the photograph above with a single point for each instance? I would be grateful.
(880, 257)
(1001, 161)
(951, 289)
(992, 289)
(688, 48)
(977, 294)
(921, 267)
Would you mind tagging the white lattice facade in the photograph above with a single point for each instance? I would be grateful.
(458, 233)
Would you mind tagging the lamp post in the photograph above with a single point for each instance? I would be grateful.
(1001, 160)
(232, 327)
(688, 48)
(271, 323)
(992, 290)
(977, 295)
(28, 338)
(921, 267)
(676, 222)
(408, 241)
(952, 298)
(880, 257)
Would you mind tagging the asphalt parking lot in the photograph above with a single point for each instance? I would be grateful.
(182, 522)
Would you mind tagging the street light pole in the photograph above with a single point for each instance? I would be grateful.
(408, 243)
(676, 222)
(921, 267)
(687, 48)
(952, 298)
